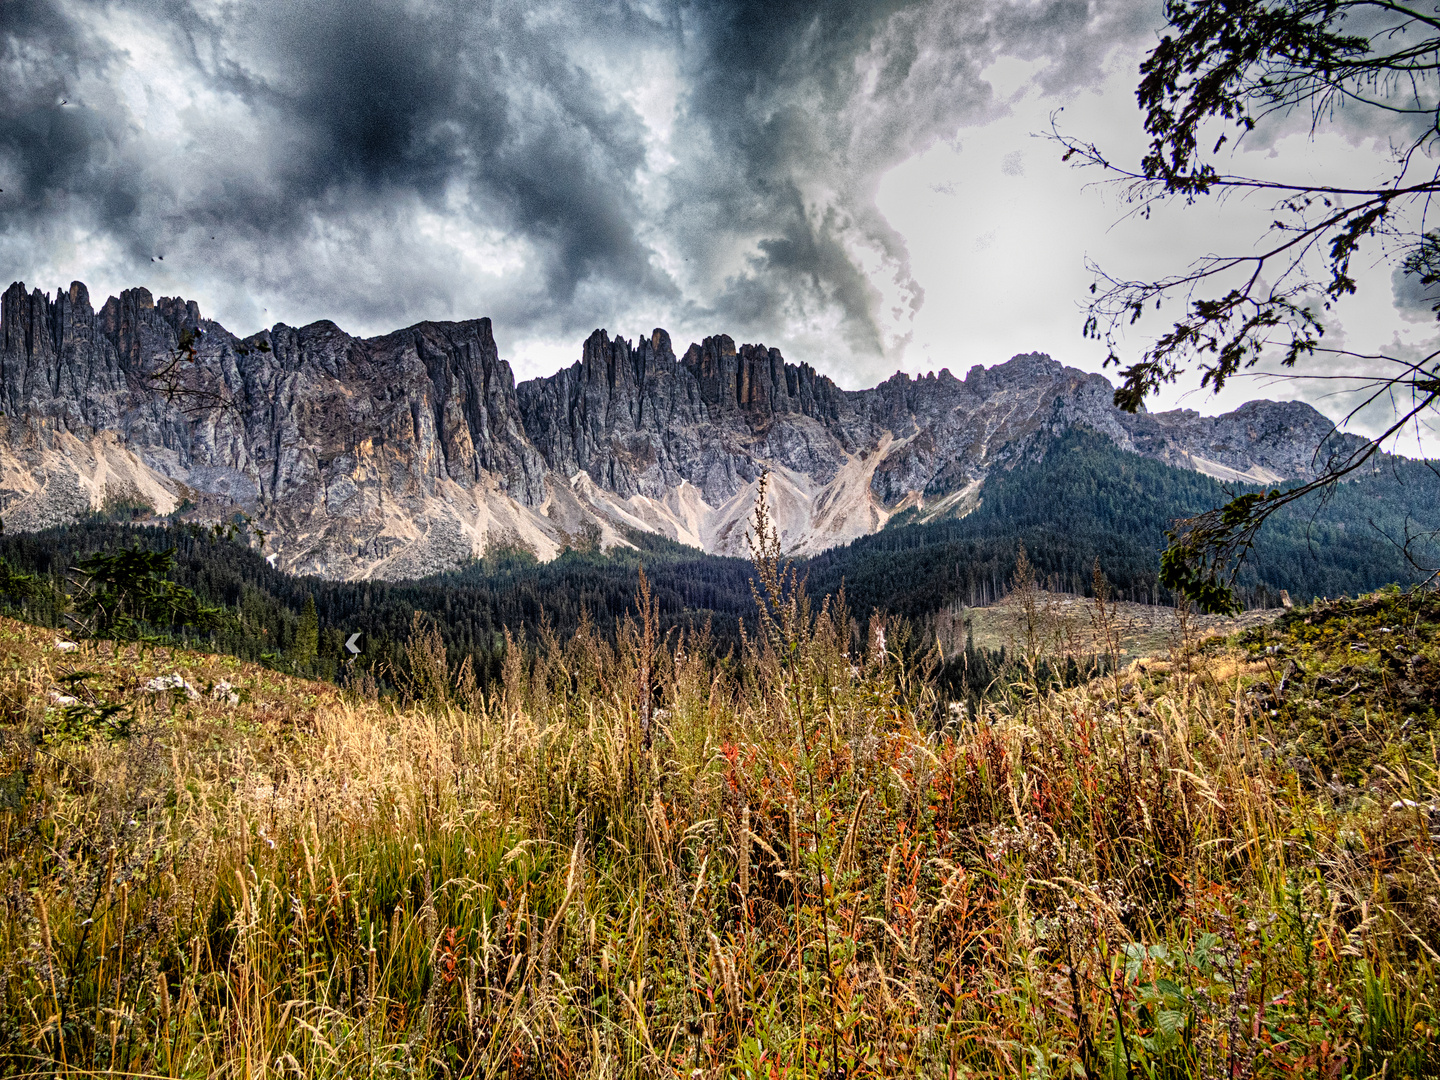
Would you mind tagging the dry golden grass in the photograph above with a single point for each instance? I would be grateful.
(638, 860)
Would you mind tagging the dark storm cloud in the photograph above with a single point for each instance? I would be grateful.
(346, 156)
(46, 142)
(803, 107)
(388, 101)
(350, 106)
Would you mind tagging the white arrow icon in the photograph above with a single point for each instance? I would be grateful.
(354, 649)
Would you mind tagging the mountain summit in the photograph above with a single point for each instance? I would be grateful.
(401, 455)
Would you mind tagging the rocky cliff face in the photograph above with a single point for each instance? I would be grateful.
(388, 456)
(401, 455)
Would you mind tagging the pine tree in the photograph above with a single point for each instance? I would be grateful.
(307, 637)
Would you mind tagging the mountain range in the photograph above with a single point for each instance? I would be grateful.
(404, 455)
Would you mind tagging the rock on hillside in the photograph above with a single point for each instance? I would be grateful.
(401, 455)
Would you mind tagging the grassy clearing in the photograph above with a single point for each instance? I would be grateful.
(1143, 629)
(635, 860)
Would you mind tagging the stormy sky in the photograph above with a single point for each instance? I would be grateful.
(858, 182)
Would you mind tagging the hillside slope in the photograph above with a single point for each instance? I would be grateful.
(1219, 864)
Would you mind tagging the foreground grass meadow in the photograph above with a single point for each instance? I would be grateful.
(639, 860)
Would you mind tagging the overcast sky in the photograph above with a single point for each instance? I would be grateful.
(858, 183)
